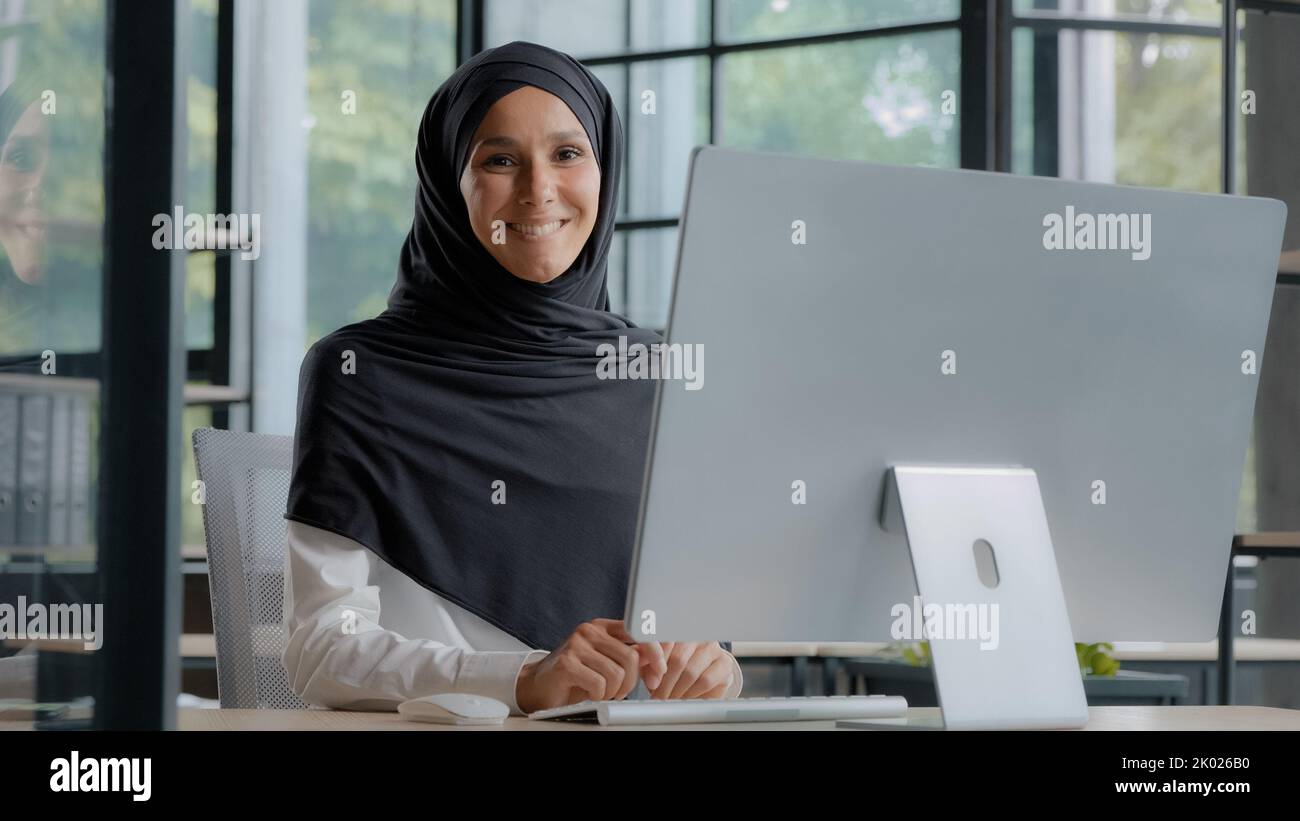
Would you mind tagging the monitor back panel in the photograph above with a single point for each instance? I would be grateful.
(922, 320)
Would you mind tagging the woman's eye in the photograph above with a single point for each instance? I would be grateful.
(575, 152)
(19, 160)
(493, 161)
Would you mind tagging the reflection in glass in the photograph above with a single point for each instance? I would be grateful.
(24, 157)
(51, 221)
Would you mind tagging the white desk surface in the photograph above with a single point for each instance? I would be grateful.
(1100, 718)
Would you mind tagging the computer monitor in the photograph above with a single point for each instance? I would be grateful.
(857, 317)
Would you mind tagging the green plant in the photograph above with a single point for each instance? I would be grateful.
(917, 654)
(1094, 659)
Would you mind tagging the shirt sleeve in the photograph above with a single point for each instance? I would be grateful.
(337, 653)
(734, 690)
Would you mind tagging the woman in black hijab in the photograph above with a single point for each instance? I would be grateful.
(24, 161)
(463, 436)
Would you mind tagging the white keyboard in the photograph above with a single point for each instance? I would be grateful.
(725, 710)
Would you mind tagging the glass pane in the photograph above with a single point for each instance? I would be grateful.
(614, 78)
(1268, 118)
(1024, 52)
(591, 28)
(652, 254)
(1168, 11)
(664, 24)
(1254, 20)
(1119, 107)
(1268, 124)
(201, 159)
(361, 159)
(742, 20)
(1268, 110)
(52, 78)
(615, 276)
(1146, 114)
(201, 109)
(200, 289)
(582, 28)
(669, 115)
(877, 99)
(664, 113)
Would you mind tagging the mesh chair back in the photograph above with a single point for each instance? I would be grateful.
(246, 485)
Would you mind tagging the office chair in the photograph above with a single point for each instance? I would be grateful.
(245, 480)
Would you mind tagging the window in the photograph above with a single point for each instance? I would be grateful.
(391, 57)
(1131, 92)
(1092, 92)
(739, 73)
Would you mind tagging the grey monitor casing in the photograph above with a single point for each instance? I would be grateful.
(823, 365)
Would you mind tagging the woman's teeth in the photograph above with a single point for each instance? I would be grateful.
(537, 230)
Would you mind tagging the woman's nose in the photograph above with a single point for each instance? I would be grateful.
(536, 186)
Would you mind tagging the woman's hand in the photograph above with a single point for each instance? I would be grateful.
(600, 661)
(695, 670)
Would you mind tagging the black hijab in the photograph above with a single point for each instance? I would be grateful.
(476, 386)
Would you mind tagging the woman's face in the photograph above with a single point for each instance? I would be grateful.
(22, 174)
(532, 168)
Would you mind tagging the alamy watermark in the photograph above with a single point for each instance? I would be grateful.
(77, 774)
(83, 622)
(936, 621)
(195, 232)
(1098, 232)
(658, 360)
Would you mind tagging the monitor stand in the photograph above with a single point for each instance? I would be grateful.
(983, 561)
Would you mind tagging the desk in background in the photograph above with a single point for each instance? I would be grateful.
(1200, 661)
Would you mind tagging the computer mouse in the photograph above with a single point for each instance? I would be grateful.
(454, 708)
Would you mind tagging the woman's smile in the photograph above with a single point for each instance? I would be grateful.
(537, 232)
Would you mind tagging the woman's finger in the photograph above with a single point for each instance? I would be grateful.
(611, 670)
(628, 656)
(720, 691)
(719, 673)
(653, 660)
(574, 675)
(654, 663)
(678, 658)
(699, 661)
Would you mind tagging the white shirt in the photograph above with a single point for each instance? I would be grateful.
(344, 652)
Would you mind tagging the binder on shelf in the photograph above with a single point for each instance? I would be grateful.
(60, 445)
(34, 470)
(8, 469)
(79, 472)
(46, 486)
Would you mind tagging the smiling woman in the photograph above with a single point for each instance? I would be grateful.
(458, 455)
(24, 161)
(532, 184)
